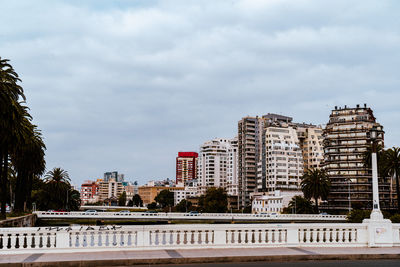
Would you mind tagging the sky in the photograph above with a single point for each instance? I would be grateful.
(125, 85)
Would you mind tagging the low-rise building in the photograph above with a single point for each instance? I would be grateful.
(272, 202)
(89, 192)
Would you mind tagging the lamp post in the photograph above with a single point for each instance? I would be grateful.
(348, 182)
(376, 213)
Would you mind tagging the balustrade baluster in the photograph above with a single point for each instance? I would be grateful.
(308, 235)
(116, 239)
(175, 235)
(346, 233)
(301, 235)
(106, 239)
(262, 236)
(199, 237)
(228, 237)
(269, 236)
(13, 241)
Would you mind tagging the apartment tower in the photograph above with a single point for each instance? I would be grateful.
(186, 166)
(346, 143)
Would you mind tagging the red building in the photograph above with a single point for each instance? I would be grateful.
(89, 189)
(186, 166)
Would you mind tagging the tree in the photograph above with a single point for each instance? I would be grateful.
(215, 200)
(122, 199)
(152, 206)
(315, 184)
(137, 201)
(184, 205)
(10, 123)
(391, 167)
(165, 198)
(57, 183)
(299, 205)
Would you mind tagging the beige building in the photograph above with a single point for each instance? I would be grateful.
(149, 193)
(311, 144)
(109, 189)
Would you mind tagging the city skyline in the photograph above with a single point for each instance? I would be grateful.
(121, 86)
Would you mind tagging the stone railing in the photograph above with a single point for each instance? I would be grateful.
(192, 216)
(102, 238)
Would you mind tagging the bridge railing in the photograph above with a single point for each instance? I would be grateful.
(102, 238)
(176, 215)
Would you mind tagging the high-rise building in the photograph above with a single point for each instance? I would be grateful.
(346, 140)
(186, 166)
(311, 144)
(214, 164)
(232, 183)
(283, 159)
(249, 147)
(113, 175)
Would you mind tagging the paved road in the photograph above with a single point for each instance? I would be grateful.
(358, 263)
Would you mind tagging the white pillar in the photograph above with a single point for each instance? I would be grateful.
(376, 213)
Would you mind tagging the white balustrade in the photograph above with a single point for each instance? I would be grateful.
(102, 238)
(191, 216)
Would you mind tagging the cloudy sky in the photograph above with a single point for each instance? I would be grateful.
(125, 85)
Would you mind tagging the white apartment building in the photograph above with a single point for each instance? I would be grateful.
(283, 159)
(110, 188)
(272, 202)
(217, 165)
(232, 182)
(190, 190)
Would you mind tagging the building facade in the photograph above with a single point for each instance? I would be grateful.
(249, 147)
(311, 144)
(216, 165)
(110, 189)
(186, 166)
(346, 142)
(89, 192)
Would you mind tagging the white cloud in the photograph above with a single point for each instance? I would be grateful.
(123, 86)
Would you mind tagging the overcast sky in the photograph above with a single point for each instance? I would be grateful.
(125, 85)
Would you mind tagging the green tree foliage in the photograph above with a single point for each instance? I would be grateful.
(137, 201)
(299, 205)
(315, 184)
(55, 192)
(184, 206)
(395, 218)
(165, 198)
(357, 216)
(215, 200)
(20, 142)
(152, 206)
(391, 167)
(122, 199)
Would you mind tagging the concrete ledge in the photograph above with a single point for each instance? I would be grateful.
(129, 258)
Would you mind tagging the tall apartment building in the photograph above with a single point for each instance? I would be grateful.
(283, 159)
(214, 164)
(249, 147)
(186, 166)
(346, 141)
(232, 182)
(311, 144)
(272, 134)
(113, 175)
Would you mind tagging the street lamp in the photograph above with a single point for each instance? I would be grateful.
(376, 212)
(348, 182)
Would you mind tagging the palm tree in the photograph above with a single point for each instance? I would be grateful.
(57, 175)
(28, 160)
(58, 182)
(315, 184)
(391, 167)
(10, 112)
